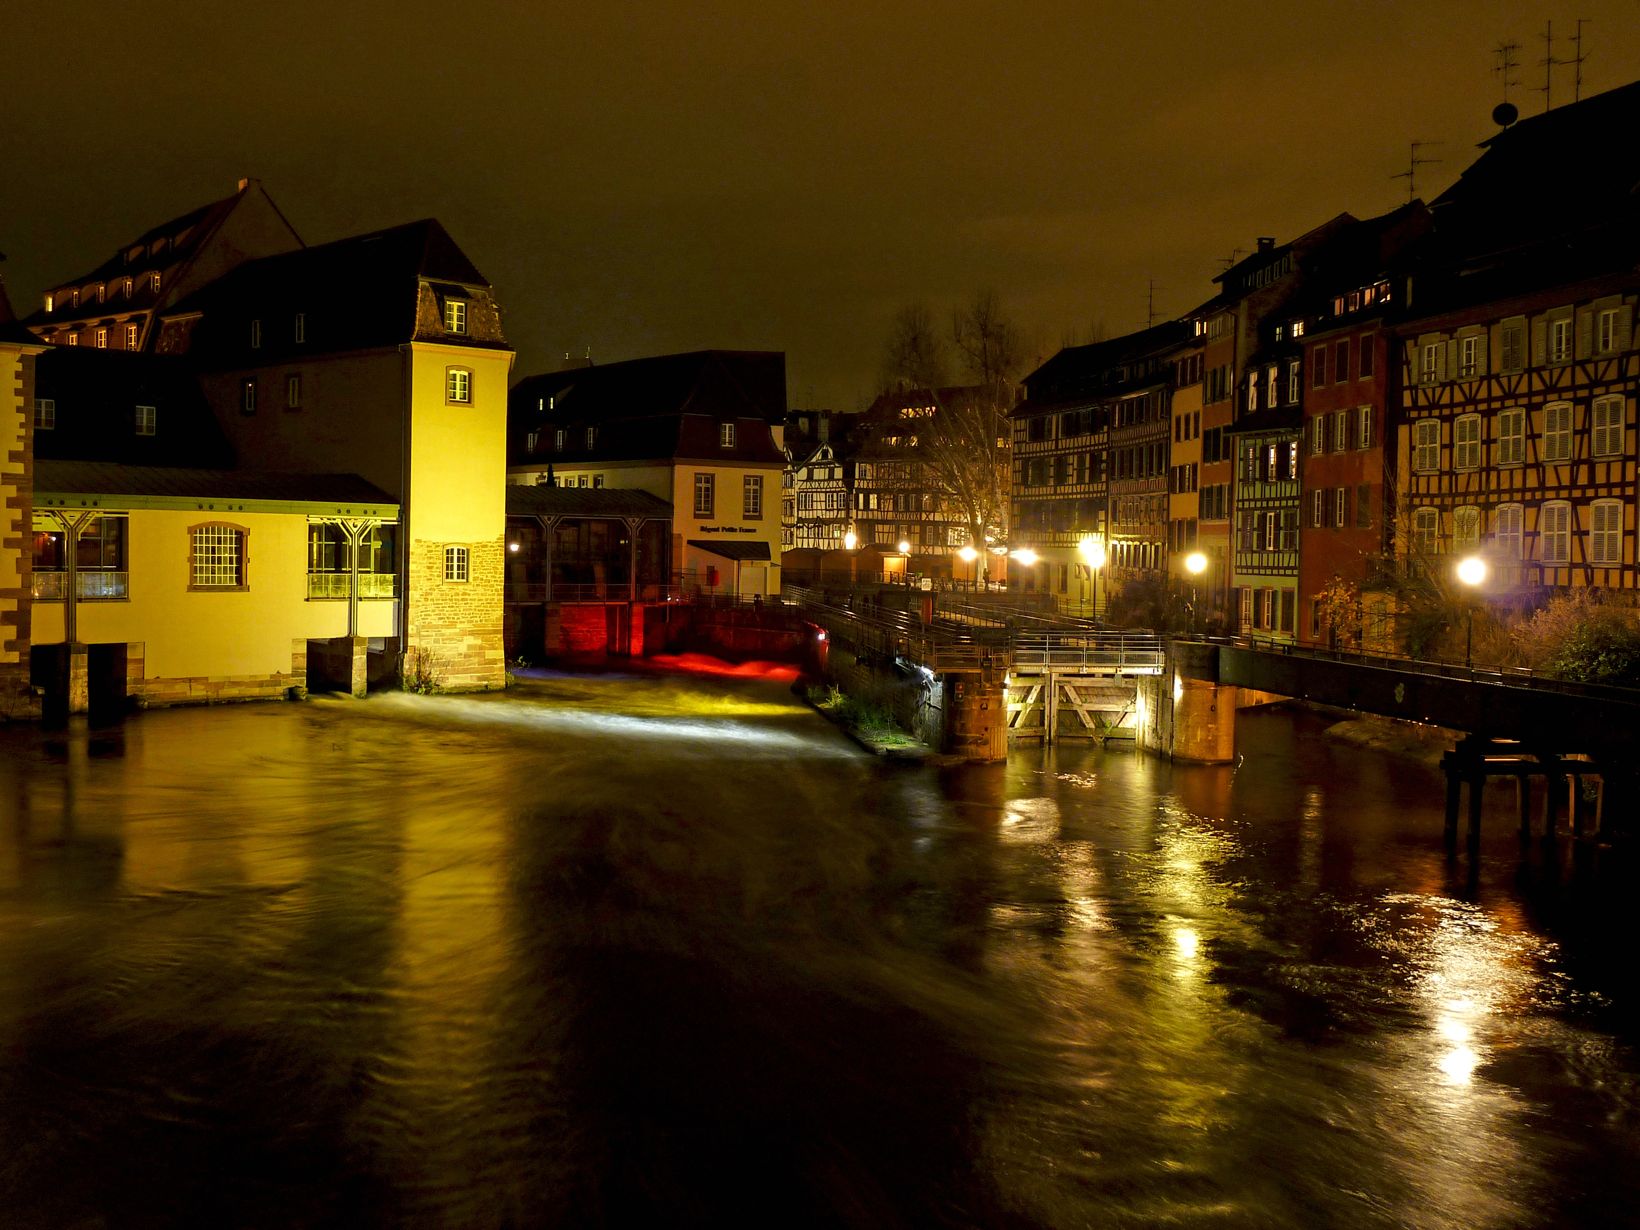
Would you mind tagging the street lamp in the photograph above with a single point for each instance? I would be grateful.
(1472, 572)
(1195, 564)
(970, 556)
(1093, 551)
(905, 561)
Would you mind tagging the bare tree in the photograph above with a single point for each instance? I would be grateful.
(915, 357)
(987, 341)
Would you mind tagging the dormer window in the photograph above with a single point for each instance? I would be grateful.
(51, 302)
(102, 291)
(592, 437)
(101, 339)
(455, 315)
(256, 334)
(128, 285)
(155, 283)
(75, 297)
(299, 330)
(130, 337)
(726, 435)
(1298, 328)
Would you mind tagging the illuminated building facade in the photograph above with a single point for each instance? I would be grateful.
(1185, 456)
(18, 348)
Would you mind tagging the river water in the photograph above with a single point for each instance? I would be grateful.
(667, 950)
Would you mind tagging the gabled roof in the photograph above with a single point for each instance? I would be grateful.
(96, 394)
(187, 485)
(546, 501)
(10, 330)
(355, 294)
(1097, 369)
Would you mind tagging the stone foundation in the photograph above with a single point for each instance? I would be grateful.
(455, 637)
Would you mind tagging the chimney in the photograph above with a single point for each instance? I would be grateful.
(245, 182)
(1266, 242)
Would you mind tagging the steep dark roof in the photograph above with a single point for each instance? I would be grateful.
(1097, 369)
(10, 330)
(356, 293)
(670, 406)
(103, 478)
(199, 223)
(96, 394)
(544, 501)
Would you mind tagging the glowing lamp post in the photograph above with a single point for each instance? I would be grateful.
(850, 541)
(971, 557)
(1024, 556)
(1093, 551)
(1195, 564)
(905, 561)
(1472, 573)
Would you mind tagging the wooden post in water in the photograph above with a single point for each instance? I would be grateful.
(1523, 798)
(1554, 785)
(1454, 784)
(1477, 795)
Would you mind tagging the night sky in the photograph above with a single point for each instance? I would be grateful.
(640, 179)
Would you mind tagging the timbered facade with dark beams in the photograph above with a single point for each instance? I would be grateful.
(1517, 438)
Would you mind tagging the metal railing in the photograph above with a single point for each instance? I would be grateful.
(90, 585)
(1096, 653)
(335, 585)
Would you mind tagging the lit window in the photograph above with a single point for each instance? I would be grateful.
(458, 385)
(102, 339)
(1511, 449)
(1606, 533)
(1560, 339)
(752, 496)
(1557, 431)
(703, 495)
(45, 413)
(1426, 445)
(1466, 528)
(146, 419)
(726, 435)
(455, 315)
(293, 392)
(1606, 427)
(154, 283)
(130, 337)
(127, 288)
(455, 563)
(51, 302)
(256, 334)
(1294, 375)
(218, 557)
(1466, 442)
(74, 297)
(1555, 532)
(299, 329)
(1506, 532)
(247, 396)
(102, 292)
(73, 339)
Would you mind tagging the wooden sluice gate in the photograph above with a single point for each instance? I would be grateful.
(1569, 777)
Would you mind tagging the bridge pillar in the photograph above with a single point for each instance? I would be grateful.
(976, 707)
(1185, 713)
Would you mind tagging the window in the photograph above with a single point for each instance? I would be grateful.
(1271, 375)
(51, 302)
(130, 337)
(1271, 527)
(1292, 460)
(1466, 528)
(458, 386)
(1506, 535)
(1365, 364)
(218, 559)
(1429, 363)
(154, 282)
(1469, 356)
(752, 496)
(1606, 533)
(1341, 431)
(1272, 463)
(73, 339)
(146, 417)
(1511, 342)
(1511, 449)
(293, 392)
(102, 291)
(455, 564)
(101, 339)
(1295, 371)
(703, 494)
(1252, 393)
(1318, 508)
(1318, 366)
(1318, 434)
(1557, 431)
(1341, 507)
(256, 334)
(1341, 362)
(1466, 442)
(1426, 445)
(299, 329)
(1363, 507)
(592, 437)
(1364, 437)
(99, 560)
(45, 413)
(455, 315)
(726, 435)
(247, 396)
(1560, 339)
(1605, 331)
(1606, 427)
(1426, 524)
(1555, 532)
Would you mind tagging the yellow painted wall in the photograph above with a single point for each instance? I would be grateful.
(727, 514)
(191, 634)
(458, 453)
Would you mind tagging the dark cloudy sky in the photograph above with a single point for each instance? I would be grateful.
(644, 178)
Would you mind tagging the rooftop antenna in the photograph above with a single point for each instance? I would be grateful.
(1549, 64)
(1578, 56)
(1150, 302)
(1508, 56)
(1230, 261)
(1413, 163)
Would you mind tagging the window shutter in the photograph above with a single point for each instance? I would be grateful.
(1585, 333)
(1625, 328)
(1480, 355)
(1448, 360)
(1540, 341)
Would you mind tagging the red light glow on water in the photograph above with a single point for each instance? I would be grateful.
(705, 664)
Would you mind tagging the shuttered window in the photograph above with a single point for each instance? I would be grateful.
(1606, 533)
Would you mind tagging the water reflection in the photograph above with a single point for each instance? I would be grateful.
(629, 950)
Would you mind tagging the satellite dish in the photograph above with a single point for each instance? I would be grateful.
(1505, 114)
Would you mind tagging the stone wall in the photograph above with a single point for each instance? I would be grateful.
(211, 689)
(17, 699)
(455, 634)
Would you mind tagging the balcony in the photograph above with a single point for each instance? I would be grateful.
(334, 585)
(91, 585)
